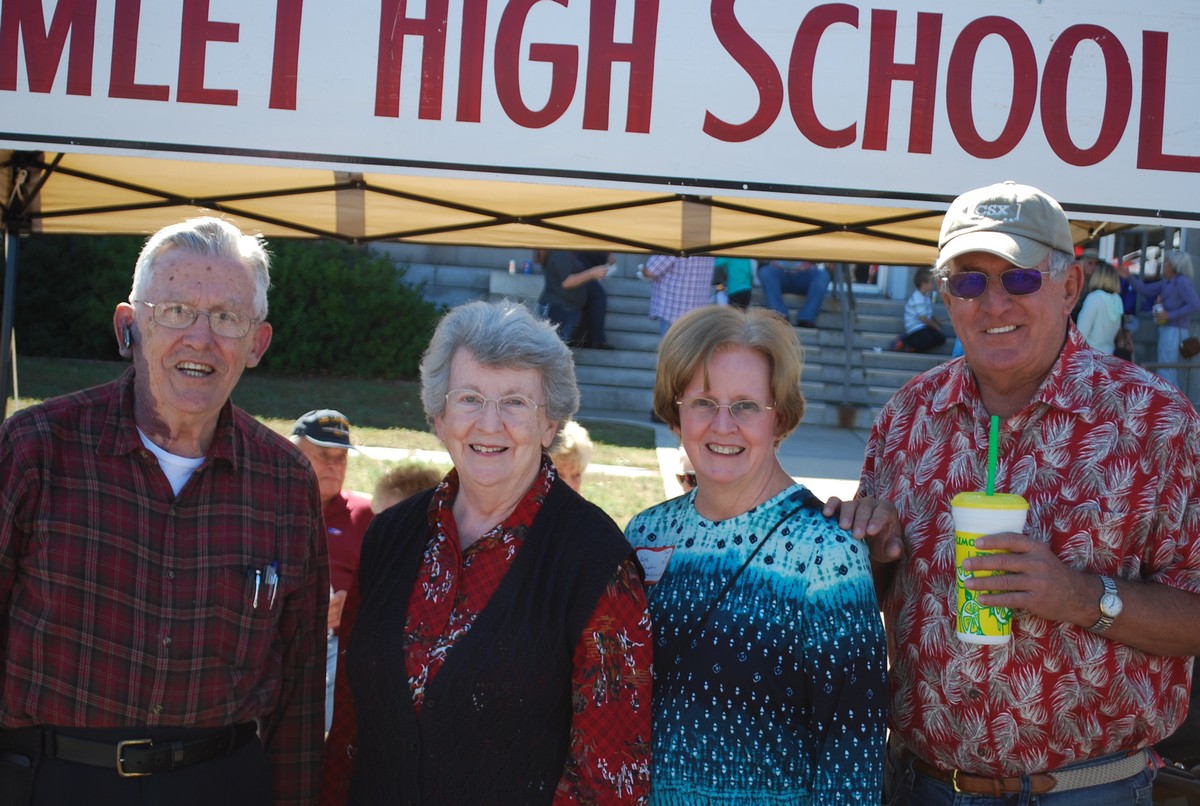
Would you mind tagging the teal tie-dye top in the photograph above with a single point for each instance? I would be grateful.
(780, 696)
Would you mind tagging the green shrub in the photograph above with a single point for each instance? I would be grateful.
(340, 310)
(335, 309)
(67, 288)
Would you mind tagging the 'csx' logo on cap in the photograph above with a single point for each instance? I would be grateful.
(1007, 211)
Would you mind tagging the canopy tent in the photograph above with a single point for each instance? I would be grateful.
(104, 194)
(833, 132)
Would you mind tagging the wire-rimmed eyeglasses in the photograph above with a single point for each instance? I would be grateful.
(972, 284)
(469, 403)
(705, 408)
(180, 316)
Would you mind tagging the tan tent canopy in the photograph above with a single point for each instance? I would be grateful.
(83, 193)
(100, 194)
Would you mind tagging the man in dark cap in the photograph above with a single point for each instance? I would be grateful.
(323, 436)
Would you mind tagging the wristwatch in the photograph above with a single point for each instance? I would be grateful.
(1110, 606)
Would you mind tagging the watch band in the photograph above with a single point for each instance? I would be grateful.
(1105, 621)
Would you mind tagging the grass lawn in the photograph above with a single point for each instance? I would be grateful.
(382, 413)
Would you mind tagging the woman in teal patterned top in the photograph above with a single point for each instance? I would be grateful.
(769, 652)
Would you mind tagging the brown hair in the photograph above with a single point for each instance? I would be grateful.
(701, 333)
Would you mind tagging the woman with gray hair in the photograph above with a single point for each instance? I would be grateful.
(499, 643)
(1179, 300)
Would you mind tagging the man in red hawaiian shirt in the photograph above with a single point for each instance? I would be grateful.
(1104, 580)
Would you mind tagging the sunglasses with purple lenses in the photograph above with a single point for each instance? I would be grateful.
(972, 284)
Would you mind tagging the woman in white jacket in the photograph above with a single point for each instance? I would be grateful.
(1100, 317)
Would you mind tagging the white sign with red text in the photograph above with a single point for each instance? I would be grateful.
(904, 100)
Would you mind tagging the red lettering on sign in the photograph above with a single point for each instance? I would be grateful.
(44, 46)
(285, 66)
(198, 30)
(1118, 95)
(470, 61)
(563, 61)
(884, 71)
(959, 84)
(122, 80)
(800, 75)
(603, 52)
(394, 25)
(751, 57)
(1154, 105)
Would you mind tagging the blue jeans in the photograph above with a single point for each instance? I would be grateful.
(1169, 338)
(564, 318)
(570, 320)
(778, 280)
(330, 677)
(907, 787)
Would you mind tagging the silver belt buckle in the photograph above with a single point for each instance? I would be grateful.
(121, 771)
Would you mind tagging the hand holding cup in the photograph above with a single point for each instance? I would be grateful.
(977, 514)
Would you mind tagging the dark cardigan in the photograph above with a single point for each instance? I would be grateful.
(495, 723)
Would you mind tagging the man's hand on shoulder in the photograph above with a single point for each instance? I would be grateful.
(873, 520)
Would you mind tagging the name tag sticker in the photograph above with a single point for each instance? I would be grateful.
(654, 561)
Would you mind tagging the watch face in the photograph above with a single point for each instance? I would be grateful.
(1110, 605)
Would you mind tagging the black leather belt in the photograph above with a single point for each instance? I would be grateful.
(133, 758)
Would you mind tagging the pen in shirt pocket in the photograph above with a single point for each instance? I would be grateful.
(272, 573)
(255, 576)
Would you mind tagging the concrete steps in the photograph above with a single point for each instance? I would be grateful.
(845, 383)
(845, 379)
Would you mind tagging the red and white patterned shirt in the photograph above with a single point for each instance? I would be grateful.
(1107, 456)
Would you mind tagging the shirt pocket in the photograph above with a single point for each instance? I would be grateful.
(243, 627)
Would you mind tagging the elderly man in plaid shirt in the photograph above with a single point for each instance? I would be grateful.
(163, 569)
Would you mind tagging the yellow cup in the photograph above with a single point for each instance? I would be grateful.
(977, 514)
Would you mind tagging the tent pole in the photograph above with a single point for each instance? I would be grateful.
(6, 319)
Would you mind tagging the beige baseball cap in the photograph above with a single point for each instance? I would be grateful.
(1016, 222)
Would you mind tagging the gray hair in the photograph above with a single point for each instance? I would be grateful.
(212, 237)
(501, 335)
(1181, 262)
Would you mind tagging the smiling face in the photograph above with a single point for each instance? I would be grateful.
(185, 376)
(499, 454)
(1011, 342)
(723, 450)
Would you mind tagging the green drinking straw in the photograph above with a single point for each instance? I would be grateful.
(993, 450)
